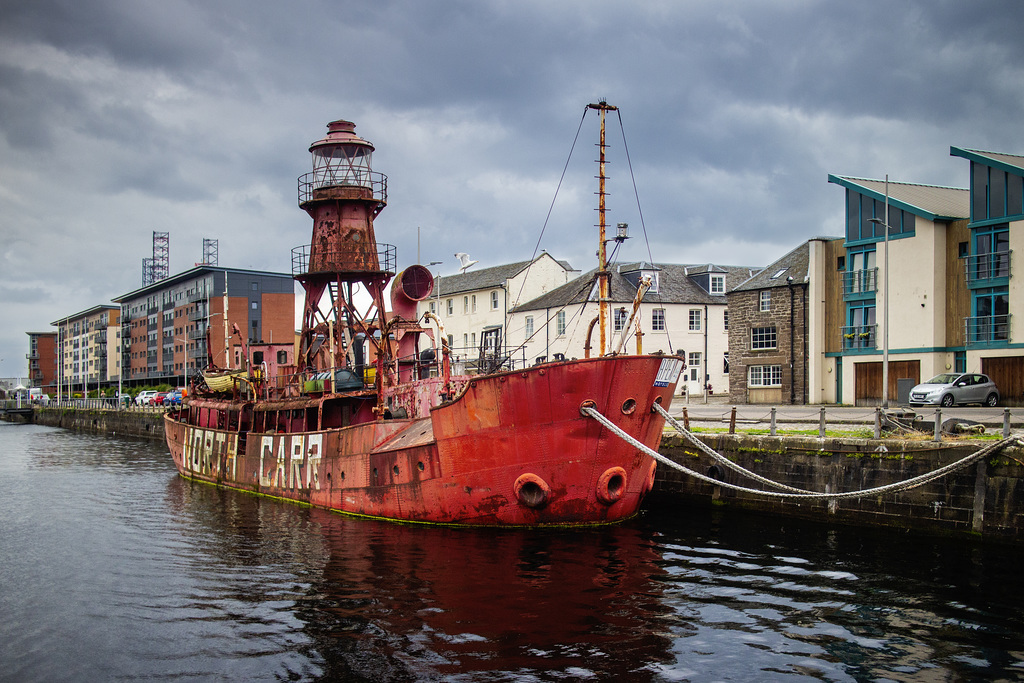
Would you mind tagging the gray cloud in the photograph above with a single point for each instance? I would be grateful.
(119, 118)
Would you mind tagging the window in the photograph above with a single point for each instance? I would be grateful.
(620, 319)
(451, 307)
(694, 320)
(282, 357)
(765, 301)
(494, 301)
(725, 319)
(762, 337)
(529, 326)
(658, 320)
(694, 366)
(465, 341)
(255, 305)
(474, 303)
(764, 376)
(725, 363)
(718, 284)
(560, 323)
(963, 250)
(840, 263)
(433, 307)
(465, 305)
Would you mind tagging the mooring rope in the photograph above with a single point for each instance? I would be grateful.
(896, 486)
(718, 457)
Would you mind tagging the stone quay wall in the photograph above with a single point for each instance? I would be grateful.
(985, 499)
(137, 422)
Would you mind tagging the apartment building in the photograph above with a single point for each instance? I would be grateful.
(165, 325)
(87, 349)
(42, 361)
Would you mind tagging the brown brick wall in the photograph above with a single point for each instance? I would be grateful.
(744, 314)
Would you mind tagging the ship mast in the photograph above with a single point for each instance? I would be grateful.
(603, 276)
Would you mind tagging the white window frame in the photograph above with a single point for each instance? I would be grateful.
(494, 301)
(764, 376)
(765, 301)
(529, 326)
(560, 323)
(695, 318)
(718, 284)
(658, 320)
(619, 319)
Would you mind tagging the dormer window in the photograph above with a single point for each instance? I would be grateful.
(718, 284)
(655, 282)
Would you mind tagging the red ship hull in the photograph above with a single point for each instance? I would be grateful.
(512, 448)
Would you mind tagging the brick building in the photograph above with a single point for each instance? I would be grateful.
(771, 328)
(42, 361)
(165, 324)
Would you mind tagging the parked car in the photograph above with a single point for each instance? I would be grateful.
(145, 398)
(173, 398)
(158, 400)
(955, 388)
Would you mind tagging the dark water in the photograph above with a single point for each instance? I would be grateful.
(113, 568)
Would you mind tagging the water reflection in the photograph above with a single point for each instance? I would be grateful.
(111, 566)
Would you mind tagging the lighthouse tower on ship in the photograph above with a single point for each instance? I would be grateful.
(343, 195)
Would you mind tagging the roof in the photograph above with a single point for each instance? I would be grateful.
(162, 284)
(1007, 162)
(933, 202)
(485, 278)
(795, 264)
(86, 313)
(677, 286)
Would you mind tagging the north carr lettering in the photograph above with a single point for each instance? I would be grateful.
(291, 461)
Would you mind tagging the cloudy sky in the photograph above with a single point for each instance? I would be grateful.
(118, 118)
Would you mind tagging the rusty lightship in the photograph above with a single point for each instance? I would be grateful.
(374, 422)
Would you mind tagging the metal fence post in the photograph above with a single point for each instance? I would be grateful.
(772, 432)
(1006, 423)
(878, 422)
(938, 425)
(821, 423)
(732, 421)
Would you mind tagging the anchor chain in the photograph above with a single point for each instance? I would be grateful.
(906, 485)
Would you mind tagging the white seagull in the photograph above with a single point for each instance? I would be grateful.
(464, 260)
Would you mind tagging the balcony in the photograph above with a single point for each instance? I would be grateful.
(987, 329)
(196, 297)
(34, 355)
(985, 267)
(858, 337)
(199, 314)
(352, 258)
(858, 282)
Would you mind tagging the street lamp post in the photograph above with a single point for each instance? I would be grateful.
(885, 300)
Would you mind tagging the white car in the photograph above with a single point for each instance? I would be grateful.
(145, 398)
